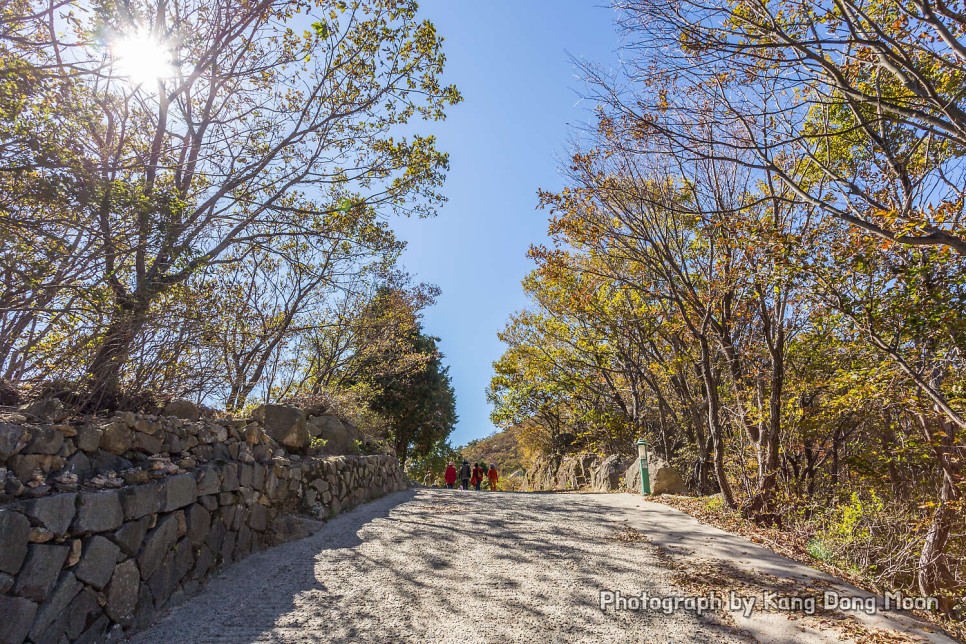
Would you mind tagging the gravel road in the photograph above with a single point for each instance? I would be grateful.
(451, 566)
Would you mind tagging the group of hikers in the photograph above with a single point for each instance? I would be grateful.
(470, 476)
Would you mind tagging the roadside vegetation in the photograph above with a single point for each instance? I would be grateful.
(196, 201)
(757, 264)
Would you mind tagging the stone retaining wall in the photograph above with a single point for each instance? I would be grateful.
(578, 472)
(603, 474)
(161, 503)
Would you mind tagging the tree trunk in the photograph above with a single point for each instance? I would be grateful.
(104, 371)
(761, 508)
(402, 451)
(719, 468)
(888, 443)
(714, 424)
(238, 396)
(933, 576)
(834, 475)
(702, 468)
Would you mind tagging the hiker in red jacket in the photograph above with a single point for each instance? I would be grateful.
(493, 476)
(477, 479)
(450, 476)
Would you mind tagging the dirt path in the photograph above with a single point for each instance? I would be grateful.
(437, 565)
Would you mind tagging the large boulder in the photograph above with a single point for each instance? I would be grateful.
(14, 531)
(285, 424)
(9, 396)
(159, 541)
(116, 438)
(664, 478)
(16, 614)
(608, 475)
(40, 570)
(180, 408)
(574, 472)
(29, 466)
(179, 491)
(54, 512)
(52, 615)
(49, 409)
(667, 480)
(46, 440)
(542, 476)
(97, 563)
(122, 592)
(340, 437)
(88, 438)
(13, 438)
(98, 512)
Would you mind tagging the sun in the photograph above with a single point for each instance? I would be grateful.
(142, 59)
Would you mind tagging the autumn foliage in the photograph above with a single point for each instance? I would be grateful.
(757, 263)
(195, 200)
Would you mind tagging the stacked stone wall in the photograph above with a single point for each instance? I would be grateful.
(104, 522)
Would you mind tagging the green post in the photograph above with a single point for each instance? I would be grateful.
(642, 462)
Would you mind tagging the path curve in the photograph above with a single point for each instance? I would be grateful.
(451, 566)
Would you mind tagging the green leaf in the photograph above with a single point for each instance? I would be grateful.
(321, 29)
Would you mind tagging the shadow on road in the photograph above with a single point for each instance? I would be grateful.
(449, 565)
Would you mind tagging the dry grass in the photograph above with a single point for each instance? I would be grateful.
(794, 545)
(700, 577)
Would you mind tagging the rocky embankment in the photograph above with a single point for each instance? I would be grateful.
(105, 521)
(595, 473)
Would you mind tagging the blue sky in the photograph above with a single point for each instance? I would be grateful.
(510, 61)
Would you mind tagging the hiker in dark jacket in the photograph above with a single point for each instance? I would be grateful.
(465, 473)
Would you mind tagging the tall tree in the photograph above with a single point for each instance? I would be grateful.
(261, 120)
(865, 97)
(378, 357)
